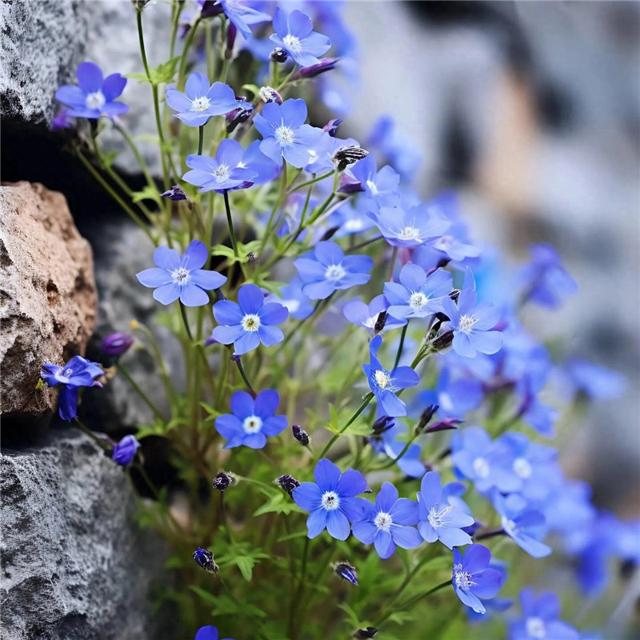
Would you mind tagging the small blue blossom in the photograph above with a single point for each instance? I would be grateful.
(77, 372)
(181, 276)
(200, 100)
(225, 171)
(417, 295)
(331, 500)
(93, 96)
(366, 315)
(400, 151)
(241, 14)
(472, 323)
(380, 188)
(208, 632)
(540, 619)
(388, 523)
(249, 322)
(392, 442)
(327, 269)
(385, 384)
(294, 33)
(441, 516)
(252, 421)
(285, 134)
(593, 381)
(124, 451)
(291, 297)
(524, 525)
(473, 577)
(116, 344)
(408, 227)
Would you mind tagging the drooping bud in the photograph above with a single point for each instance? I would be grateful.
(382, 424)
(443, 341)
(349, 185)
(269, 94)
(115, 344)
(232, 32)
(444, 425)
(367, 632)
(381, 320)
(329, 233)
(326, 64)
(300, 434)
(287, 483)
(239, 115)
(426, 415)
(124, 451)
(332, 127)
(279, 55)
(346, 571)
(223, 481)
(175, 193)
(210, 8)
(348, 155)
(204, 558)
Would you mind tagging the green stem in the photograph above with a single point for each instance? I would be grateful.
(297, 595)
(178, 6)
(143, 396)
(364, 244)
(276, 205)
(308, 183)
(83, 427)
(185, 53)
(401, 345)
(136, 152)
(232, 235)
(244, 377)
(185, 320)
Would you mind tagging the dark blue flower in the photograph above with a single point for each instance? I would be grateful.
(249, 322)
(442, 516)
(473, 578)
(93, 96)
(327, 269)
(417, 295)
(388, 523)
(77, 372)
(208, 632)
(225, 171)
(540, 619)
(252, 420)
(125, 451)
(181, 276)
(285, 134)
(115, 344)
(331, 500)
(204, 558)
(385, 384)
(472, 323)
(347, 572)
(200, 100)
(524, 525)
(294, 33)
(408, 227)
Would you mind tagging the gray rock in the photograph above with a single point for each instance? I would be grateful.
(74, 564)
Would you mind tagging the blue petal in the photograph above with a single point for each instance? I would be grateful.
(227, 312)
(250, 298)
(195, 255)
(167, 294)
(89, 77)
(338, 525)
(242, 404)
(273, 313)
(113, 86)
(307, 496)
(270, 335)
(193, 296)
(228, 426)
(406, 537)
(266, 403)
(327, 475)
(207, 279)
(384, 544)
(316, 522)
(226, 334)
(166, 258)
(246, 343)
(153, 277)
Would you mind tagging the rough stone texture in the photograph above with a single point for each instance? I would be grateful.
(47, 293)
(74, 564)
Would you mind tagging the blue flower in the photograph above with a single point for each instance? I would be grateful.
(417, 295)
(388, 523)
(539, 619)
(291, 297)
(385, 384)
(472, 323)
(201, 101)
(366, 315)
(225, 171)
(252, 421)
(331, 500)
(116, 344)
(285, 134)
(524, 525)
(242, 15)
(125, 451)
(208, 632)
(408, 227)
(294, 33)
(93, 96)
(380, 188)
(181, 276)
(473, 578)
(77, 372)
(442, 517)
(249, 322)
(390, 444)
(594, 381)
(327, 269)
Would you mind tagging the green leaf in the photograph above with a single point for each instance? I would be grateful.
(163, 73)
(246, 564)
(147, 193)
(278, 503)
(251, 87)
(338, 418)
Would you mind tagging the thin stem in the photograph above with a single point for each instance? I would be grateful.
(276, 205)
(200, 139)
(297, 595)
(411, 601)
(185, 320)
(232, 235)
(174, 28)
(83, 427)
(364, 244)
(244, 377)
(136, 152)
(143, 396)
(301, 185)
(491, 533)
(185, 52)
(401, 345)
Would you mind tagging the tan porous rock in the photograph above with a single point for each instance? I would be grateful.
(47, 293)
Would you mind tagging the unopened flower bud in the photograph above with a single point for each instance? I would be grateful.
(443, 341)
(124, 451)
(382, 424)
(204, 558)
(223, 481)
(329, 233)
(326, 64)
(288, 483)
(426, 415)
(367, 632)
(348, 155)
(332, 127)
(175, 193)
(346, 571)
(444, 425)
(232, 32)
(239, 115)
(300, 434)
(115, 344)
(279, 55)
(269, 94)
(349, 185)
(381, 320)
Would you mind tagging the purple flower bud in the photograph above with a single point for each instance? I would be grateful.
(204, 558)
(326, 64)
(349, 185)
(382, 424)
(332, 127)
(329, 233)
(125, 451)
(381, 320)
(269, 94)
(348, 155)
(300, 434)
(363, 634)
(288, 483)
(239, 115)
(210, 8)
(232, 32)
(115, 344)
(175, 193)
(223, 481)
(61, 121)
(279, 55)
(444, 425)
(347, 572)
(426, 415)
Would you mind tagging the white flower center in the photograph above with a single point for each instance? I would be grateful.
(467, 323)
(292, 43)
(335, 272)
(200, 104)
(251, 322)
(67, 373)
(180, 276)
(291, 305)
(382, 378)
(437, 514)
(383, 521)
(535, 628)
(95, 100)
(462, 578)
(409, 233)
(372, 187)
(522, 468)
(252, 424)
(481, 468)
(284, 135)
(330, 500)
(418, 300)
(222, 173)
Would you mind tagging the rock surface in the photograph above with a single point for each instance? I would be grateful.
(47, 293)
(74, 564)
